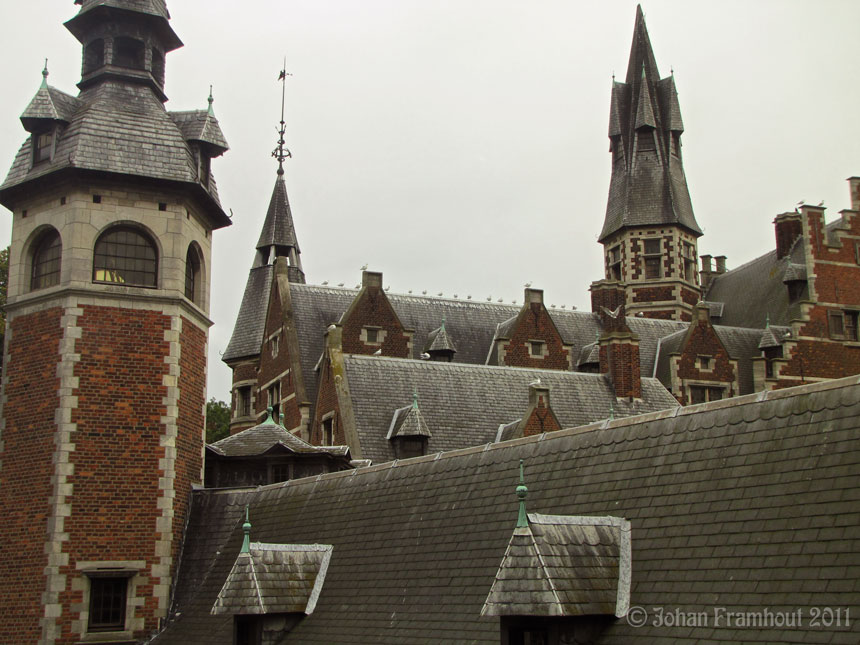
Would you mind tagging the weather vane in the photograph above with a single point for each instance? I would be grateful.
(281, 152)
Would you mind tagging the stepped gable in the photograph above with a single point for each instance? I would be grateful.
(759, 500)
(464, 405)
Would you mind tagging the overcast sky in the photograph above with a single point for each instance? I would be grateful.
(460, 146)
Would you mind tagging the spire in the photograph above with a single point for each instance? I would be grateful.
(278, 237)
(44, 85)
(211, 101)
(522, 493)
(648, 186)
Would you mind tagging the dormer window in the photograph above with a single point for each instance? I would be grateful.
(205, 169)
(645, 139)
(43, 146)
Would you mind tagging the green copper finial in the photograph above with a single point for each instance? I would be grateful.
(45, 75)
(414, 398)
(611, 411)
(211, 101)
(522, 492)
(767, 320)
(281, 419)
(246, 527)
(269, 420)
(443, 323)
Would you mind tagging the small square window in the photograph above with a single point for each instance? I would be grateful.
(372, 335)
(651, 245)
(107, 604)
(705, 363)
(62, 201)
(162, 206)
(536, 348)
(97, 199)
(328, 431)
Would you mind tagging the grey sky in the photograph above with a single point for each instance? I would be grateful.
(460, 146)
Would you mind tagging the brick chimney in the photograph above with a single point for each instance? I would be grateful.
(721, 264)
(371, 279)
(854, 183)
(619, 359)
(539, 417)
(707, 272)
(608, 300)
(788, 227)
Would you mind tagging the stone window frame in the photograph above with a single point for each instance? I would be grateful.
(652, 255)
(689, 263)
(380, 336)
(130, 571)
(842, 324)
(705, 362)
(146, 237)
(537, 343)
(243, 403)
(707, 388)
(613, 261)
(327, 427)
(42, 255)
(194, 287)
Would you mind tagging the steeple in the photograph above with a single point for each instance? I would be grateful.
(648, 185)
(278, 237)
(649, 233)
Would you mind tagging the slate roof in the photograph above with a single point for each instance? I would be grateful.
(408, 422)
(463, 405)
(275, 579)
(263, 437)
(653, 190)
(755, 291)
(50, 104)
(278, 228)
(471, 324)
(154, 7)
(439, 340)
(564, 566)
(745, 503)
(117, 128)
(199, 125)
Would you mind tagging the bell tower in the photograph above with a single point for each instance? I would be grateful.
(649, 233)
(104, 384)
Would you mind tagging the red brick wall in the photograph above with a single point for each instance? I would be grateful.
(373, 309)
(540, 420)
(276, 368)
(25, 470)
(327, 402)
(536, 325)
(116, 470)
(191, 425)
(690, 297)
(652, 294)
(819, 359)
(703, 341)
(621, 360)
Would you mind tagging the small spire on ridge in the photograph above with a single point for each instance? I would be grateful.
(281, 153)
(522, 493)
(211, 101)
(246, 527)
(45, 75)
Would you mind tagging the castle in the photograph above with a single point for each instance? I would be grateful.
(106, 537)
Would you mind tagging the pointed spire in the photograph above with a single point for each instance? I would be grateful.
(641, 53)
(522, 493)
(644, 109)
(44, 85)
(414, 398)
(211, 101)
(246, 527)
(281, 153)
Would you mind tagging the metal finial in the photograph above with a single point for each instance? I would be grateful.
(281, 153)
(767, 320)
(443, 323)
(611, 411)
(414, 398)
(281, 418)
(45, 75)
(211, 101)
(246, 527)
(522, 492)
(269, 418)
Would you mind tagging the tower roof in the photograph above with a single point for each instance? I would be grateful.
(648, 185)
(155, 10)
(278, 228)
(154, 7)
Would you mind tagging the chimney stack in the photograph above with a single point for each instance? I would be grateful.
(721, 264)
(854, 183)
(608, 300)
(371, 279)
(788, 227)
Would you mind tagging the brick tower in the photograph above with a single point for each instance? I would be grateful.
(113, 205)
(649, 234)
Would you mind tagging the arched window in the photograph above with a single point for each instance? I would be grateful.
(46, 261)
(192, 274)
(127, 256)
(128, 52)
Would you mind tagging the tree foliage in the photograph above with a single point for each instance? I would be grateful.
(217, 420)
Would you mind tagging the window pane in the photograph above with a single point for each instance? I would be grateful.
(46, 262)
(107, 604)
(125, 256)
